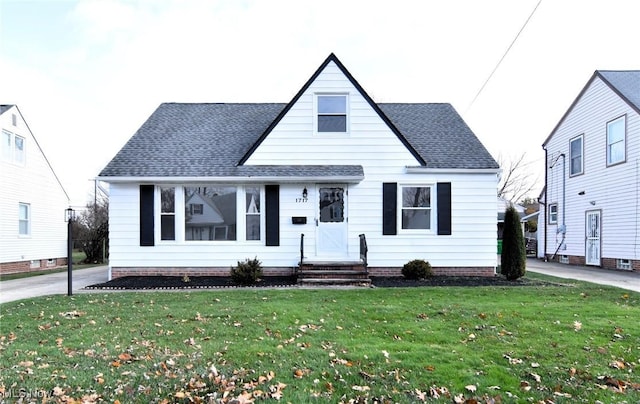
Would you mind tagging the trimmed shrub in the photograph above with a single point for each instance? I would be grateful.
(514, 255)
(247, 272)
(417, 269)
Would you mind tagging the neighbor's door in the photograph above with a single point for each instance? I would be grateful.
(592, 245)
(331, 220)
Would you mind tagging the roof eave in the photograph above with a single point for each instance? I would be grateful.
(350, 179)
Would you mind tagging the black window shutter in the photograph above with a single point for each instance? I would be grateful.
(389, 208)
(146, 215)
(272, 214)
(444, 208)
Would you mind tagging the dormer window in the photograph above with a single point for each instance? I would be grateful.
(332, 113)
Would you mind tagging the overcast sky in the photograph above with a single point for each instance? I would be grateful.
(87, 74)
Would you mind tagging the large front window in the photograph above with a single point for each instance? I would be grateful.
(210, 212)
(416, 207)
(616, 149)
(332, 113)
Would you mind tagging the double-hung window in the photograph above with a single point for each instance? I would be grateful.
(553, 213)
(13, 148)
(616, 139)
(331, 113)
(576, 153)
(167, 213)
(24, 219)
(416, 207)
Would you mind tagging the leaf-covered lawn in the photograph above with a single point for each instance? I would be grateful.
(552, 344)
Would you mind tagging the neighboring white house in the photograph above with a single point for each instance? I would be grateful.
(33, 233)
(591, 201)
(330, 165)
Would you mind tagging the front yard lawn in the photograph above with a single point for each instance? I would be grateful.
(562, 344)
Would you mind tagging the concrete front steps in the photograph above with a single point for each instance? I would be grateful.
(338, 273)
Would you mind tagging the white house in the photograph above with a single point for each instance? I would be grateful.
(302, 181)
(591, 201)
(33, 233)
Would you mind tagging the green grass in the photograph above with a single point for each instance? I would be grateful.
(562, 343)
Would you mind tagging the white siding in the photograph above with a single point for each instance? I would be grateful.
(35, 184)
(613, 190)
(369, 143)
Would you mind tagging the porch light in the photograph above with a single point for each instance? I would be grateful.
(305, 193)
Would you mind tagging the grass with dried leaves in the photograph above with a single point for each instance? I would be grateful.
(551, 344)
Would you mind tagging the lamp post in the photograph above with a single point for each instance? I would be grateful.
(69, 218)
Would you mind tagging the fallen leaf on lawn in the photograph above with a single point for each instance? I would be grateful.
(471, 387)
(577, 326)
(525, 386)
(361, 388)
(617, 365)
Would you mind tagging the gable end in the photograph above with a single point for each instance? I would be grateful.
(332, 58)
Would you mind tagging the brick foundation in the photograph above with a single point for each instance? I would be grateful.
(605, 263)
(118, 272)
(18, 267)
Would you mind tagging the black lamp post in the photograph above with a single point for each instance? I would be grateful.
(69, 218)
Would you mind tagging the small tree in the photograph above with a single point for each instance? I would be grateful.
(514, 255)
(247, 272)
(91, 230)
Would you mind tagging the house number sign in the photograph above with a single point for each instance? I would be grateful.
(302, 200)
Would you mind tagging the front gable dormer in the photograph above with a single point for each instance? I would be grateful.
(330, 105)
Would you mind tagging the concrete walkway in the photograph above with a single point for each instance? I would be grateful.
(629, 280)
(51, 284)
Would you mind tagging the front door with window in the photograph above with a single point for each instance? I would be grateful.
(331, 240)
(592, 237)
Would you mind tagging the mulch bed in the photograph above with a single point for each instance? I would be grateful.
(219, 282)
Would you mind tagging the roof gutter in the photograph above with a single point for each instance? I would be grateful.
(427, 170)
(233, 180)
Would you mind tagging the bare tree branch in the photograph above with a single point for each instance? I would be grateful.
(517, 179)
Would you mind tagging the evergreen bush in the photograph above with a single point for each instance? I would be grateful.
(514, 255)
(417, 269)
(247, 272)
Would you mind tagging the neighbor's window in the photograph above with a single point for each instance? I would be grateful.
(616, 148)
(575, 155)
(13, 148)
(252, 209)
(416, 207)
(553, 213)
(167, 213)
(210, 212)
(332, 113)
(24, 219)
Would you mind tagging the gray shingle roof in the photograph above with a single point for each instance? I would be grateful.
(208, 140)
(627, 83)
(5, 108)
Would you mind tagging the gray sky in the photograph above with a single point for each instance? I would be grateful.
(86, 74)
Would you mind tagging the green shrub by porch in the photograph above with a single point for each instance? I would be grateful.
(247, 272)
(417, 269)
(514, 256)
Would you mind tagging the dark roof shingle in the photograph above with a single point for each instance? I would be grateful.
(208, 140)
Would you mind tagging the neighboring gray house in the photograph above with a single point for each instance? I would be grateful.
(313, 174)
(591, 199)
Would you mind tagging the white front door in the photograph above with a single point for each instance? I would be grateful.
(592, 237)
(331, 234)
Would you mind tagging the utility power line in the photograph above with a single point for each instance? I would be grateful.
(503, 57)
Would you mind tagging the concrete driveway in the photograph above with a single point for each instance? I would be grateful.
(51, 284)
(629, 280)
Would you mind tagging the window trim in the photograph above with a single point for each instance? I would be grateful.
(624, 140)
(571, 157)
(316, 114)
(432, 208)
(27, 220)
(179, 215)
(551, 212)
(9, 152)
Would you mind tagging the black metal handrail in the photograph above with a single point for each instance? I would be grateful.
(363, 250)
(301, 249)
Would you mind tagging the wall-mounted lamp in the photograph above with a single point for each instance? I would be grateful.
(592, 202)
(69, 215)
(581, 193)
(305, 193)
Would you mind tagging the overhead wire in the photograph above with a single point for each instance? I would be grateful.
(503, 57)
